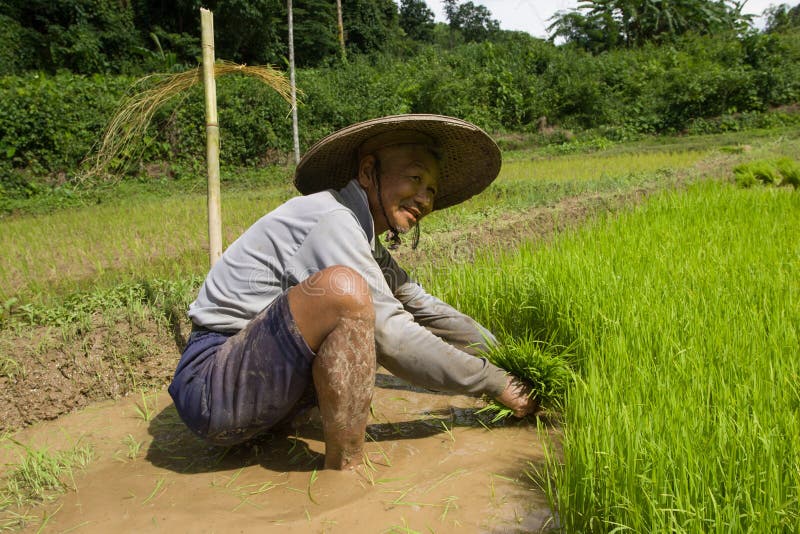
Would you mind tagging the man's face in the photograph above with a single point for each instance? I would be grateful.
(409, 176)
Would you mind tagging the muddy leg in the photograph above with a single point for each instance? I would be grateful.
(333, 311)
(344, 374)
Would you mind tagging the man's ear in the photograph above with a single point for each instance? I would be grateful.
(367, 171)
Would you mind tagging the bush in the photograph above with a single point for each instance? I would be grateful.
(697, 84)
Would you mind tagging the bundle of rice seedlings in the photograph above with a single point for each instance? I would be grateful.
(545, 366)
(755, 172)
(790, 172)
(150, 93)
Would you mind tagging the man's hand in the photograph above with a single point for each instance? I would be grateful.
(518, 397)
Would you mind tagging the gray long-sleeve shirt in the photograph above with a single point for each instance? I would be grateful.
(418, 337)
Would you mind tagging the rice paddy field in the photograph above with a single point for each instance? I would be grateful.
(657, 313)
(682, 319)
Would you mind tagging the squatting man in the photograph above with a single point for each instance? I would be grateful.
(301, 307)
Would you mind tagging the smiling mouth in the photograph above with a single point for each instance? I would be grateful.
(413, 212)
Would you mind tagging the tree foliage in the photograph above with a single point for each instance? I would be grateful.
(416, 19)
(782, 18)
(473, 22)
(605, 24)
(370, 25)
(80, 35)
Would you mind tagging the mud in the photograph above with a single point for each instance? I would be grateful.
(433, 467)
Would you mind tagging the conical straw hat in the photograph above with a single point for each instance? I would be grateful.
(469, 158)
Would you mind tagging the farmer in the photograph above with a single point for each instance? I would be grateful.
(300, 307)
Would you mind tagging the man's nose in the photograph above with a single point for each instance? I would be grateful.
(425, 200)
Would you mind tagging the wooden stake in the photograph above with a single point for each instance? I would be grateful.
(212, 138)
(341, 29)
(293, 87)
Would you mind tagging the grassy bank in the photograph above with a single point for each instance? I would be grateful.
(684, 318)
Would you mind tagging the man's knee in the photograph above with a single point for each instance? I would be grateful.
(342, 288)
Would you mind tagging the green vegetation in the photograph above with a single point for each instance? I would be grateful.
(123, 238)
(664, 336)
(38, 476)
(683, 316)
(700, 84)
(782, 172)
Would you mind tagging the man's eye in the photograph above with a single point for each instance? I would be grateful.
(416, 178)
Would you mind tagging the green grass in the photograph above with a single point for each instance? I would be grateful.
(39, 475)
(685, 320)
(156, 229)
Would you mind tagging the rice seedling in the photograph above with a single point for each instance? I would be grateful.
(790, 172)
(38, 476)
(134, 446)
(146, 408)
(157, 490)
(545, 366)
(401, 529)
(756, 172)
(448, 431)
(311, 480)
(448, 503)
(46, 519)
(781, 172)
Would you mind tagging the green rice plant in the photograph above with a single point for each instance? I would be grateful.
(790, 172)
(38, 476)
(544, 366)
(134, 446)
(683, 316)
(757, 172)
(146, 408)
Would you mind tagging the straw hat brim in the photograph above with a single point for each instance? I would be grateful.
(470, 159)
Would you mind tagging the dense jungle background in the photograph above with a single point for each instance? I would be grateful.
(612, 69)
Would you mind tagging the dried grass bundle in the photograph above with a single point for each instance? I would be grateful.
(135, 112)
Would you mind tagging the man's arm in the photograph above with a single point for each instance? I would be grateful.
(449, 324)
(444, 321)
(405, 348)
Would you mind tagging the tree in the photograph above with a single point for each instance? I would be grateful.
(473, 22)
(370, 25)
(782, 18)
(635, 22)
(416, 19)
(594, 34)
(82, 35)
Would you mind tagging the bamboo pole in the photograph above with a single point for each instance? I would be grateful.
(293, 86)
(212, 138)
(341, 29)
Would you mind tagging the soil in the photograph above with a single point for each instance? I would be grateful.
(435, 465)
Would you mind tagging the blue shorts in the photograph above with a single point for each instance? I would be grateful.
(230, 387)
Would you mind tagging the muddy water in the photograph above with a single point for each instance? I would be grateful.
(432, 468)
